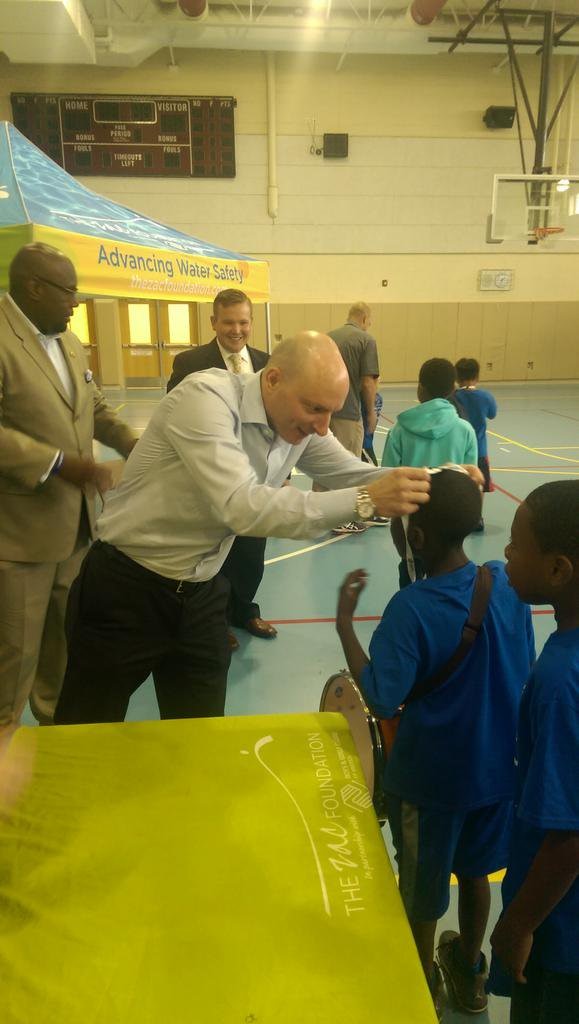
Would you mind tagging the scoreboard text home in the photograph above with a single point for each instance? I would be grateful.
(167, 136)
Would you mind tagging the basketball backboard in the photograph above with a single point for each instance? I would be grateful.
(534, 207)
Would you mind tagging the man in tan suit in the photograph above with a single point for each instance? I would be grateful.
(50, 411)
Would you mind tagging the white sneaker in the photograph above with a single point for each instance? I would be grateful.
(350, 528)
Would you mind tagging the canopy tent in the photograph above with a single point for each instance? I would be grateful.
(116, 251)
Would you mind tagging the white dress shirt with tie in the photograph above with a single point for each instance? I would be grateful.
(209, 467)
(236, 362)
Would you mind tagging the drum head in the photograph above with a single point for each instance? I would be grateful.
(342, 694)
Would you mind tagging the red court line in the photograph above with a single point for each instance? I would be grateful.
(563, 415)
(498, 487)
(364, 618)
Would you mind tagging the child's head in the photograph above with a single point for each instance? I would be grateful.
(435, 380)
(467, 371)
(441, 525)
(543, 553)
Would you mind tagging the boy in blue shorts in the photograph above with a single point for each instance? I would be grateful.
(449, 780)
(479, 406)
(537, 938)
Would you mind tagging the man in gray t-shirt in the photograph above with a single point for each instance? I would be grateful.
(358, 350)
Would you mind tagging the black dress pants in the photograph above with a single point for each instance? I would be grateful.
(243, 567)
(124, 622)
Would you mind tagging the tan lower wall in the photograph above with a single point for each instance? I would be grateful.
(512, 341)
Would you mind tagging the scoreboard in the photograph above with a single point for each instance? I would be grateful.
(166, 136)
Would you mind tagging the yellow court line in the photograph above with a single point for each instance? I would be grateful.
(535, 451)
(561, 448)
(497, 876)
(119, 407)
(539, 472)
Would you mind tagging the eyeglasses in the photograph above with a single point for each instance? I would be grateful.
(61, 287)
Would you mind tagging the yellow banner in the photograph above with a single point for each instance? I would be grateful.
(107, 267)
(202, 871)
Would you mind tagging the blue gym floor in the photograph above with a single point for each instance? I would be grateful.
(535, 438)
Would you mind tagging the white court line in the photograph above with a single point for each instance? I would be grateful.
(304, 551)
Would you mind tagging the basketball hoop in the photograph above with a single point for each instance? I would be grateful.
(541, 233)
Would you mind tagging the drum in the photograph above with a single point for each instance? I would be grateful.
(342, 694)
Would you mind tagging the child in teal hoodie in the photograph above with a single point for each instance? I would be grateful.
(431, 433)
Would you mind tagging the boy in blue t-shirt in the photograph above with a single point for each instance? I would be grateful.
(537, 938)
(450, 777)
(479, 406)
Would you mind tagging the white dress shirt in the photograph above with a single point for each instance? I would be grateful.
(246, 365)
(209, 467)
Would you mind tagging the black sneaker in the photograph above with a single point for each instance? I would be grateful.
(346, 528)
(466, 987)
(437, 993)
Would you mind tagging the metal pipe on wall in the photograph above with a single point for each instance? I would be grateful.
(272, 189)
(570, 119)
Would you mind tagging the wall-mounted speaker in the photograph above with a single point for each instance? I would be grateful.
(499, 117)
(335, 146)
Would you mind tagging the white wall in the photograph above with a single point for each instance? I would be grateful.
(408, 205)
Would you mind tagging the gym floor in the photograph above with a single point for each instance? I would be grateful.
(535, 438)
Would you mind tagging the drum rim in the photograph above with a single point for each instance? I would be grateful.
(344, 674)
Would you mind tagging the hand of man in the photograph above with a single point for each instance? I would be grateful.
(349, 593)
(475, 474)
(512, 947)
(400, 491)
(81, 470)
(77, 470)
(104, 478)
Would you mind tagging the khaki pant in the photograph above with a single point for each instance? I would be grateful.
(33, 598)
(350, 434)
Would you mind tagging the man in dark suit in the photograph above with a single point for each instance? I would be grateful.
(232, 322)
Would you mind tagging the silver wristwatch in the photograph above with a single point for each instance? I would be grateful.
(365, 507)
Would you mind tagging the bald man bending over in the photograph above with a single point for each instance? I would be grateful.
(210, 466)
